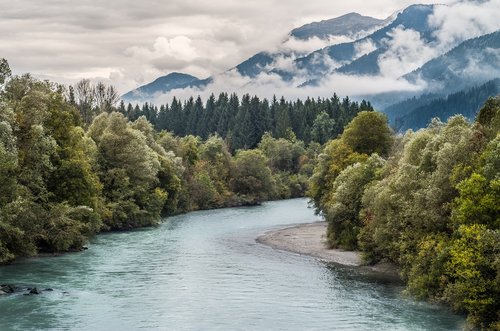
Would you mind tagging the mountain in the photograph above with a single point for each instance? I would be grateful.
(455, 83)
(405, 107)
(163, 84)
(346, 25)
(466, 102)
(256, 64)
(350, 26)
(470, 62)
(350, 58)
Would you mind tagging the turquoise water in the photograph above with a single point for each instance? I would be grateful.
(204, 271)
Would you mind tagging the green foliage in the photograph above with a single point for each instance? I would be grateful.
(323, 128)
(4, 71)
(128, 169)
(432, 207)
(413, 201)
(283, 154)
(473, 272)
(344, 202)
(425, 277)
(489, 116)
(47, 172)
(336, 157)
(251, 178)
(369, 133)
(478, 202)
(241, 122)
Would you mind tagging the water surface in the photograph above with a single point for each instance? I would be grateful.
(204, 271)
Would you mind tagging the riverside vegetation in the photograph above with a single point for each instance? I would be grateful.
(72, 165)
(428, 201)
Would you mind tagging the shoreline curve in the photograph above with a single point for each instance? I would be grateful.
(309, 239)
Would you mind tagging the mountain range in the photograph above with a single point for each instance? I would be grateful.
(406, 48)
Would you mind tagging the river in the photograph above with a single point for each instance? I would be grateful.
(204, 271)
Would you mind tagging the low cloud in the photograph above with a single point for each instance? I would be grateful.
(266, 85)
(465, 20)
(301, 46)
(406, 51)
(364, 47)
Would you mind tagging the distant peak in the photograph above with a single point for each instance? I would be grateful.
(347, 24)
(351, 14)
(175, 76)
(179, 74)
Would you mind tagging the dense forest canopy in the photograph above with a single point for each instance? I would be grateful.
(242, 122)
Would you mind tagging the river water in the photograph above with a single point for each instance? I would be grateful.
(204, 271)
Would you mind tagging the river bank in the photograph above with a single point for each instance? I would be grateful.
(309, 239)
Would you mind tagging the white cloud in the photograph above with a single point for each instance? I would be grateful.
(406, 52)
(364, 47)
(65, 40)
(310, 45)
(465, 20)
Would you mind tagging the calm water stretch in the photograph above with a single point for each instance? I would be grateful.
(204, 271)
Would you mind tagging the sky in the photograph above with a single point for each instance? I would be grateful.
(129, 43)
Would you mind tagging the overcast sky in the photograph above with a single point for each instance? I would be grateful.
(131, 42)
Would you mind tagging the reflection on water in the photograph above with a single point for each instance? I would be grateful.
(204, 271)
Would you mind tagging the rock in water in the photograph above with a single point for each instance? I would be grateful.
(8, 289)
(34, 290)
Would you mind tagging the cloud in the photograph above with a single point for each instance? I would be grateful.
(304, 47)
(174, 53)
(406, 51)
(465, 20)
(268, 84)
(364, 47)
(66, 40)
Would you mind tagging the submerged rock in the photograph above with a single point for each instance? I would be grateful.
(34, 290)
(8, 288)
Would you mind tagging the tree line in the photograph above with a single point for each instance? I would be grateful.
(466, 102)
(242, 122)
(428, 201)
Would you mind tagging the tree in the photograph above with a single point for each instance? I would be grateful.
(369, 133)
(473, 274)
(342, 210)
(5, 72)
(283, 155)
(52, 188)
(128, 169)
(251, 178)
(323, 128)
(336, 156)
